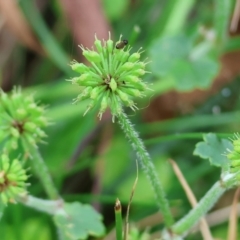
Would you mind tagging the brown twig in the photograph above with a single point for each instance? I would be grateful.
(19, 25)
(203, 224)
(232, 229)
(85, 19)
(235, 18)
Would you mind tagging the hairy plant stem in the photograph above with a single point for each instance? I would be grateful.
(203, 206)
(47, 206)
(40, 169)
(148, 167)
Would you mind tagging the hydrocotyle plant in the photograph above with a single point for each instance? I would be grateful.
(113, 80)
(21, 117)
(21, 130)
(22, 121)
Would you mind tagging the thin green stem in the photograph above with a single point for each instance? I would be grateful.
(204, 205)
(148, 167)
(40, 169)
(118, 220)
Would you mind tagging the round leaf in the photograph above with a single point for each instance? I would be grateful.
(78, 221)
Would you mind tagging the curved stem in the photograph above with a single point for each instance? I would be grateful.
(148, 167)
(200, 210)
(40, 169)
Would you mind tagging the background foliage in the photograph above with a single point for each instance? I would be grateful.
(193, 57)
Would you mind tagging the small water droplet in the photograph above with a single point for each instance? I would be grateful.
(226, 92)
(216, 110)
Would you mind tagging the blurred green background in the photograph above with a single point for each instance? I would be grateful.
(193, 52)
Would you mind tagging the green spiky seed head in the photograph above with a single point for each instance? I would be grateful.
(13, 179)
(113, 78)
(20, 117)
(234, 157)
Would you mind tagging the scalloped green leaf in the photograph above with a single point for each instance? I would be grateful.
(79, 221)
(213, 149)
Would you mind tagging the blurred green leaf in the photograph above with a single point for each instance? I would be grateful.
(232, 44)
(166, 51)
(188, 123)
(177, 62)
(222, 13)
(115, 9)
(80, 221)
(174, 16)
(26, 230)
(2, 207)
(166, 175)
(65, 137)
(50, 44)
(194, 74)
(172, 59)
(33, 228)
(116, 162)
(213, 149)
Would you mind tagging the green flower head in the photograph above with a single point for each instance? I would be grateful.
(12, 179)
(234, 157)
(20, 117)
(113, 78)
